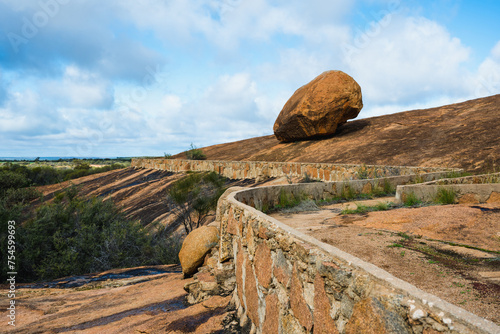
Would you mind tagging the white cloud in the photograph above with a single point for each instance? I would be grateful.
(3, 90)
(23, 115)
(82, 82)
(409, 59)
(88, 33)
(488, 76)
(78, 89)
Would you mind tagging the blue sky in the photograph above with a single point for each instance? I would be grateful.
(133, 78)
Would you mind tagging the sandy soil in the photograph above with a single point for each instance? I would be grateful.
(408, 243)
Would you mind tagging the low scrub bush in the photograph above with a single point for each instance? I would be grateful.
(73, 236)
(383, 189)
(347, 192)
(289, 202)
(195, 196)
(411, 199)
(445, 196)
(195, 153)
(360, 209)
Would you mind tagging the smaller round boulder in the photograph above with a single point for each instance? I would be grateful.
(196, 245)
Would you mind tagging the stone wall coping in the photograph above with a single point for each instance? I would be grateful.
(137, 160)
(464, 178)
(428, 190)
(380, 274)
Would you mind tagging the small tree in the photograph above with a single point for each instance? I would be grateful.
(195, 196)
(195, 153)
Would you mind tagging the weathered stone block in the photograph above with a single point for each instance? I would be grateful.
(263, 264)
(271, 322)
(300, 252)
(239, 271)
(338, 276)
(289, 324)
(232, 224)
(361, 286)
(298, 303)
(494, 197)
(281, 270)
(250, 239)
(370, 316)
(323, 322)
(367, 188)
(265, 233)
(469, 198)
(251, 294)
(346, 306)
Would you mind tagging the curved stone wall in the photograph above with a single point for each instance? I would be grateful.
(289, 282)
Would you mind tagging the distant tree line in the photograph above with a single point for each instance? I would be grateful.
(13, 174)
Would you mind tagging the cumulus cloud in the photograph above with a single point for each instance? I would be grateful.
(89, 80)
(488, 76)
(24, 115)
(89, 34)
(78, 88)
(410, 59)
(3, 91)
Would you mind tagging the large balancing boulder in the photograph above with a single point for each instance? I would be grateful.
(318, 108)
(196, 245)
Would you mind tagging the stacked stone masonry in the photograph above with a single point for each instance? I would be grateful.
(289, 282)
(259, 169)
(471, 189)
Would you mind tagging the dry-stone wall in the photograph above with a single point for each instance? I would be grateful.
(470, 189)
(261, 169)
(288, 282)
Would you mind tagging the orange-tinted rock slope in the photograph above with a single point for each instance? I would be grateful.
(464, 135)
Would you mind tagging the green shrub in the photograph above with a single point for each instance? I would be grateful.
(18, 176)
(411, 200)
(360, 209)
(12, 180)
(287, 200)
(384, 189)
(195, 196)
(73, 236)
(347, 192)
(445, 196)
(455, 174)
(328, 201)
(195, 153)
(382, 206)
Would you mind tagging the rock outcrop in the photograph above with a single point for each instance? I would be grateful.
(196, 245)
(319, 107)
